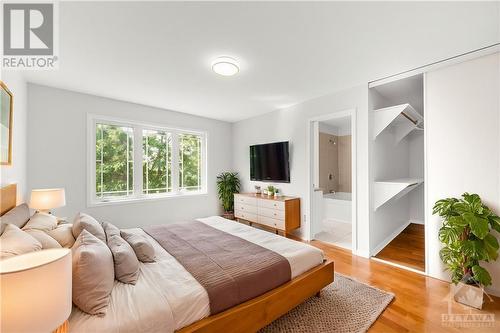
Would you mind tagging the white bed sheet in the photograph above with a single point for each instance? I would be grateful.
(167, 298)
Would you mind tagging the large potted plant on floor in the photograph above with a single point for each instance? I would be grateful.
(468, 242)
(228, 184)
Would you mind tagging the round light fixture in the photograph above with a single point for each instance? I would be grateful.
(225, 66)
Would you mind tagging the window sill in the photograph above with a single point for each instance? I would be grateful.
(95, 203)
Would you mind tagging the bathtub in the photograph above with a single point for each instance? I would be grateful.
(337, 207)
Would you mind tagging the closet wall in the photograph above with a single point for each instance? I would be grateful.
(463, 154)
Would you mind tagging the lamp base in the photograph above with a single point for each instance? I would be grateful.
(63, 328)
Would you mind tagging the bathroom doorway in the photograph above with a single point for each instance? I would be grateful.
(333, 201)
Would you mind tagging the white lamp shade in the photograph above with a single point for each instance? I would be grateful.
(46, 199)
(35, 291)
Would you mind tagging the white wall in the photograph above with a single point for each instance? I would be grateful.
(16, 173)
(57, 146)
(463, 124)
(290, 124)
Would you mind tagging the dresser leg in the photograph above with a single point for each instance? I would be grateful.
(318, 294)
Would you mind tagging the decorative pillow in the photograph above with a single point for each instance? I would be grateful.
(126, 263)
(143, 249)
(93, 274)
(63, 234)
(44, 239)
(17, 216)
(41, 221)
(14, 241)
(110, 230)
(87, 222)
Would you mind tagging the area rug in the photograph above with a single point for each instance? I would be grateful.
(344, 306)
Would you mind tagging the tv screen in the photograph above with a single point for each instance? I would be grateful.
(269, 162)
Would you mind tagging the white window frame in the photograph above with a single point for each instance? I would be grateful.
(138, 127)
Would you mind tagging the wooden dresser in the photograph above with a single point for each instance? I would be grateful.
(281, 214)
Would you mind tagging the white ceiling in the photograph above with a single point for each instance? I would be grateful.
(159, 54)
(343, 124)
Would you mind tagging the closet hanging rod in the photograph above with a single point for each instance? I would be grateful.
(409, 118)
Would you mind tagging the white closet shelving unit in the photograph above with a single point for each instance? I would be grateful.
(393, 189)
(403, 118)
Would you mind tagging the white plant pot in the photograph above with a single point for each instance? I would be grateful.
(467, 294)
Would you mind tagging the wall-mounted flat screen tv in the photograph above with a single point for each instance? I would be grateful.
(269, 162)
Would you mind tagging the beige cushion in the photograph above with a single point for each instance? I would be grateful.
(44, 239)
(110, 229)
(41, 221)
(63, 234)
(87, 222)
(93, 274)
(143, 249)
(14, 241)
(126, 263)
(17, 216)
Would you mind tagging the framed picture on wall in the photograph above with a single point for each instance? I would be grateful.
(5, 125)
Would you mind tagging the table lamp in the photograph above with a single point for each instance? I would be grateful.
(43, 200)
(35, 291)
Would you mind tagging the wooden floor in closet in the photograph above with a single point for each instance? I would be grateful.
(407, 249)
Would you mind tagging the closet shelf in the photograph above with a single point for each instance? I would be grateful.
(404, 118)
(393, 189)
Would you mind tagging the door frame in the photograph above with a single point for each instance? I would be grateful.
(313, 154)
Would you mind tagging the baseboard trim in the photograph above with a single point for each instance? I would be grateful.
(417, 222)
(386, 241)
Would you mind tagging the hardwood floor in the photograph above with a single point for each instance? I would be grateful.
(407, 249)
(419, 302)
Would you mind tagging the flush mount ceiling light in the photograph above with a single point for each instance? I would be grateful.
(225, 66)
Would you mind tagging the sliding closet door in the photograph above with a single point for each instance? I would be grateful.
(462, 142)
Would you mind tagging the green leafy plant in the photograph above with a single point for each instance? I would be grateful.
(271, 189)
(228, 184)
(466, 236)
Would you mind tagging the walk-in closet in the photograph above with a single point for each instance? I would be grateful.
(398, 172)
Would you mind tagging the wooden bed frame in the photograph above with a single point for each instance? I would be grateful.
(8, 195)
(261, 311)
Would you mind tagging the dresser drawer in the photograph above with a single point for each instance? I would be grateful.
(274, 213)
(243, 199)
(273, 204)
(245, 208)
(273, 223)
(245, 216)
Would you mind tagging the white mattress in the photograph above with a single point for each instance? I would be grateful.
(167, 298)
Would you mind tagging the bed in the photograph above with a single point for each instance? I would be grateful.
(167, 298)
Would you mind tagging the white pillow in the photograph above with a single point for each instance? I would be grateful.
(17, 216)
(14, 241)
(41, 221)
(44, 239)
(84, 221)
(63, 234)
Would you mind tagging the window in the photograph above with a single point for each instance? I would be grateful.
(189, 162)
(156, 162)
(114, 161)
(132, 161)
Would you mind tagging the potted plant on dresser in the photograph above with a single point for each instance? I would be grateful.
(468, 242)
(228, 184)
